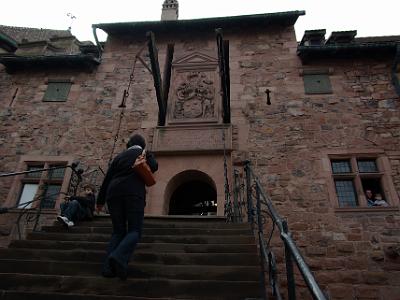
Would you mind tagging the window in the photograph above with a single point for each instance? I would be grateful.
(317, 84)
(316, 80)
(341, 166)
(353, 176)
(57, 90)
(367, 166)
(41, 187)
(29, 191)
(346, 193)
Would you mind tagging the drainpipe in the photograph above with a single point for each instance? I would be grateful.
(395, 77)
(99, 47)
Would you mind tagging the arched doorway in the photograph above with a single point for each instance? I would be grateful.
(192, 193)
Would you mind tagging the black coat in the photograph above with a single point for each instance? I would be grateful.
(122, 181)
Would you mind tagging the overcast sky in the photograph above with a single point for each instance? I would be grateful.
(368, 17)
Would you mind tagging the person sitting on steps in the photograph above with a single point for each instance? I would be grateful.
(77, 208)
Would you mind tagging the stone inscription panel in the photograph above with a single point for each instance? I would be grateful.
(176, 139)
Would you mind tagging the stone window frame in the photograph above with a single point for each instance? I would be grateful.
(384, 173)
(25, 161)
(50, 81)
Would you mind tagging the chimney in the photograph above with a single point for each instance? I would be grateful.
(170, 10)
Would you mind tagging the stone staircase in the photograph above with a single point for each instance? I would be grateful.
(178, 258)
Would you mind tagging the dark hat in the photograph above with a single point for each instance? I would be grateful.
(136, 139)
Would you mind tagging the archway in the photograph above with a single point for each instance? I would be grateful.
(192, 193)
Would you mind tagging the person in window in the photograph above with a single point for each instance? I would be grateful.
(77, 208)
(125, 194)
(379, 201)
(370, 198)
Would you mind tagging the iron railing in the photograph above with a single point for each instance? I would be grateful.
(93, 176)
(249, 196)
(42, 199)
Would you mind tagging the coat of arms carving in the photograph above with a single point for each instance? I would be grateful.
(193, 97)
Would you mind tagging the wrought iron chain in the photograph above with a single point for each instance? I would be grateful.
(123, 105)
(228, 204)
(116, 135)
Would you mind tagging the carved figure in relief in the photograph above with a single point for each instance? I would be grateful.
(195, 97)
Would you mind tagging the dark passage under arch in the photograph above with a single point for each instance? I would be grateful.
(193, 197)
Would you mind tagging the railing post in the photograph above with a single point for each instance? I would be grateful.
(260, 243)
(76, 178)
(292, 253)
(248, 192)
(237, 217)
(289, 267)
(42, 198)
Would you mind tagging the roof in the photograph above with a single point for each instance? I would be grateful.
(13, 62)
(281, 18)
(378, 39)
(346, 46)
(35, 48)
(22, 34)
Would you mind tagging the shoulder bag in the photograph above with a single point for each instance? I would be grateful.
(142, 168)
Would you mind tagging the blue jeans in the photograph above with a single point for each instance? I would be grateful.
(73, 210)
(127, 224)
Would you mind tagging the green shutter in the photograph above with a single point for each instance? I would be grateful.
(317, 84)
(57, 91)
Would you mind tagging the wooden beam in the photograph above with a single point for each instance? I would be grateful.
(223, 62)
(155, 68)
(167, 73)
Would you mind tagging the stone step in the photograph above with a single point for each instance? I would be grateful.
(135, 287)
(20, 295)
(177, 220)
(176, 224)
(159, 247)
(186, 239)
(215, 259)
(151, 231)
(136, 270)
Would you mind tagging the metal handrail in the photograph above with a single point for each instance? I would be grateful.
(290, 244)
(24, 210)
(73, 166)
(256, 217)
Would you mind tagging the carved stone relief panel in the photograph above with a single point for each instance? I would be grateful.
(194, 95)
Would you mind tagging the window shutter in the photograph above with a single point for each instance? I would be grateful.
(57, 91)
(317, 84)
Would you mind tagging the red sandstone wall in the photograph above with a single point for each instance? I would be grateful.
(354, 255)
(6, 96)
